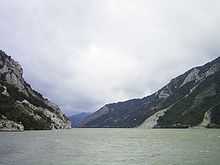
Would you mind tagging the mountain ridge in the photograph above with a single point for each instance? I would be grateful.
(77, 118)
(134, 112)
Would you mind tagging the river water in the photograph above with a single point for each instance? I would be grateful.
(111, 147)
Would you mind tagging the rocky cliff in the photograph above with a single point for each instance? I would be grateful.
(189, 100)
(21, 107)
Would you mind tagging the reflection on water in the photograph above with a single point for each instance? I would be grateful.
(111, 147)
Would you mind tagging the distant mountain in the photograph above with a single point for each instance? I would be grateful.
(21, 107)
(77, 118)
(189, 100)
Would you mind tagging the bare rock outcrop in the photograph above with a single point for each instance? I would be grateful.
(23, 106)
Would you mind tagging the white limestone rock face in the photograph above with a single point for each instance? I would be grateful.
(195, 75)
(12, 71)
(58, 120)
(206, 120)
(163, 94)
(30, 102)
(151, 122)
(192, 76)
(7, 125)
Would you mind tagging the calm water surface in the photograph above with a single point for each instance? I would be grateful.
(111, 147)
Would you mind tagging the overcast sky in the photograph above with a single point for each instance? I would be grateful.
(83, 54)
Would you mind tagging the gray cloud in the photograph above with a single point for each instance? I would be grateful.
(83, 54)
